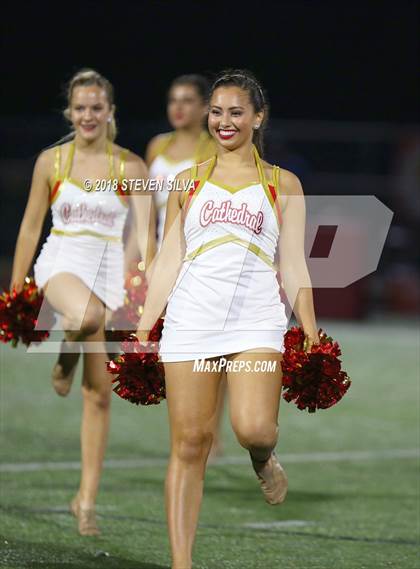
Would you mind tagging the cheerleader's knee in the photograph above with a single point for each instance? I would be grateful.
(256, 436)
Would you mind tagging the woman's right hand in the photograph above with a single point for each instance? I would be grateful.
(142, 335)
(17, 285)
(310, 340)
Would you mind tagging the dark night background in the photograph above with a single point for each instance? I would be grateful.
(342, 80)
(318, 60)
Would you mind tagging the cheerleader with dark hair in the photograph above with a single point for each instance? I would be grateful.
(216, 273)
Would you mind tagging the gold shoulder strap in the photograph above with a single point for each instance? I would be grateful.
(276, 173)
(260, 167)
(270, 192)
(69, 160)
(123, 156)
(194, 171)
(163, 144)
(57, 162)
(276, 181)
(193, 176)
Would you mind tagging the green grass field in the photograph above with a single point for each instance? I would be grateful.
(353, 474)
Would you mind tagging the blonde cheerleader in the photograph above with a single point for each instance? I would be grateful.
(80, 266)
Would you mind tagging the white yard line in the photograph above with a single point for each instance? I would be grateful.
(276, 524)
(339, 456)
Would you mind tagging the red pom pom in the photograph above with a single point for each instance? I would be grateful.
(294, 338)
(125, 319)
(313, 380)
(156, 332)
(19, 313)
(140, 377)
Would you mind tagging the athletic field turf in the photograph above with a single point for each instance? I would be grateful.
(353, 473)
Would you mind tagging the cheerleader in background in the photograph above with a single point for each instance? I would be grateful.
(169, 153)
(80, 266)
(189, 143)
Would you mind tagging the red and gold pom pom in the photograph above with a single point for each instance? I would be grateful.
(140, 377)
(125, 319)
(312, 380)
(19, 313)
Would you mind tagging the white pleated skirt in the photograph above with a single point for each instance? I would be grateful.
(98, 263)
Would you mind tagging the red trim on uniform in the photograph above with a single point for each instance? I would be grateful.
(191, 193)
(121, 192)
(276, 201)
(54, 190)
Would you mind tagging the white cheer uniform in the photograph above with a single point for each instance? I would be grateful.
(86, 233)
(163, 168)
(226, 298)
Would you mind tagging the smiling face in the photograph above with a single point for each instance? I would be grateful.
(90, 112)
(185, 106)
(232, 117)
